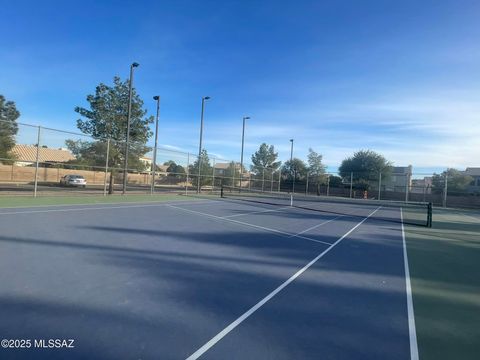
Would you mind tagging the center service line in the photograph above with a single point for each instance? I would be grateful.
(249, 312)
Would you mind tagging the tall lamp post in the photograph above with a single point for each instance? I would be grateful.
(130, 82)
(154, 163)
(241, 156)
(200, 144)
(291, 164)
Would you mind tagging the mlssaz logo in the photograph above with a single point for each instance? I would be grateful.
(55, 343)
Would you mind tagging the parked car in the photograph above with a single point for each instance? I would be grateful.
(73, 180)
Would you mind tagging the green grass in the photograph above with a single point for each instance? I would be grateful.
(19, 201)
(445, 274)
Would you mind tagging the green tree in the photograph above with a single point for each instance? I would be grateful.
(8, 128)
(265, 158)
(457, 181)
(297, 167)
(316, 169)
(175, 173)
(206, 170)
(366, 166)
(107, 119)
(233, 172)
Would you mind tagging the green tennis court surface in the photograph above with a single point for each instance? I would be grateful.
(445, 275)
(20, 201)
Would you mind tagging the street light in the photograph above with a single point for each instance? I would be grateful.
(200, 144)
(130, 82)
(291, 164)
(241, 156)
(154, 163)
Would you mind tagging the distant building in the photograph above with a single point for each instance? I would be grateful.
(474, 172)
(147, 161)
(399, 180)
(26, 155)
(221, 169)
(422, 186)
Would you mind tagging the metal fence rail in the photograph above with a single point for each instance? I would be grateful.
(43, 156)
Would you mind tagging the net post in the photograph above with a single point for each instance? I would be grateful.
(291, 199)
(221, 191)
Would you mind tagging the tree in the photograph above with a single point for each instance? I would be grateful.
(107, 119)
(316, 169)
(456, 181)
(233, 172)
(365, 165)
(297, 167)
(206, 170)
(8, 128)
(265, 158)
(175, 173)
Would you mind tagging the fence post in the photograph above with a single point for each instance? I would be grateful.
(188, 173)
(11, 176)
(37, 163)
(445, 190)
(106, 169)
(213, 175)
(279, 178)
(233, 177)
(263, 179)
(406, 187)
(379, 184)
(351, 184)
(271, 181)
(306, 186)
(328, 185)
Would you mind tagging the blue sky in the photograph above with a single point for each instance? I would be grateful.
(400, 78)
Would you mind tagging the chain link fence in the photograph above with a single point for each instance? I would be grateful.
(43, 159)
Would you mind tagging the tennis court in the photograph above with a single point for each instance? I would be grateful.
(215, 278)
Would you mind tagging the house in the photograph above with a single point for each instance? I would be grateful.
(422, 186)
(474, 172)
(26, 155)
(399, 180)
(147, 161)
(221, 169)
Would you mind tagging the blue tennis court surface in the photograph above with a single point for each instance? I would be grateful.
(215, 279)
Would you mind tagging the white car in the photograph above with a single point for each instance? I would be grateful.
(73, 180)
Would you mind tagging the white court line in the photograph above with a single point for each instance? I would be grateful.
(257, 212)
(254, 308)
(318, 225)
(411, 315)
(96, 208)
(289, 235)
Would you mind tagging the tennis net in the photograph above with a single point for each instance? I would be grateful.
(414, 213)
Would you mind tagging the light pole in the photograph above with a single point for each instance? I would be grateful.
(154, 163)
(130, 82)
(291, 164)
(241, 156)
(200, 144)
